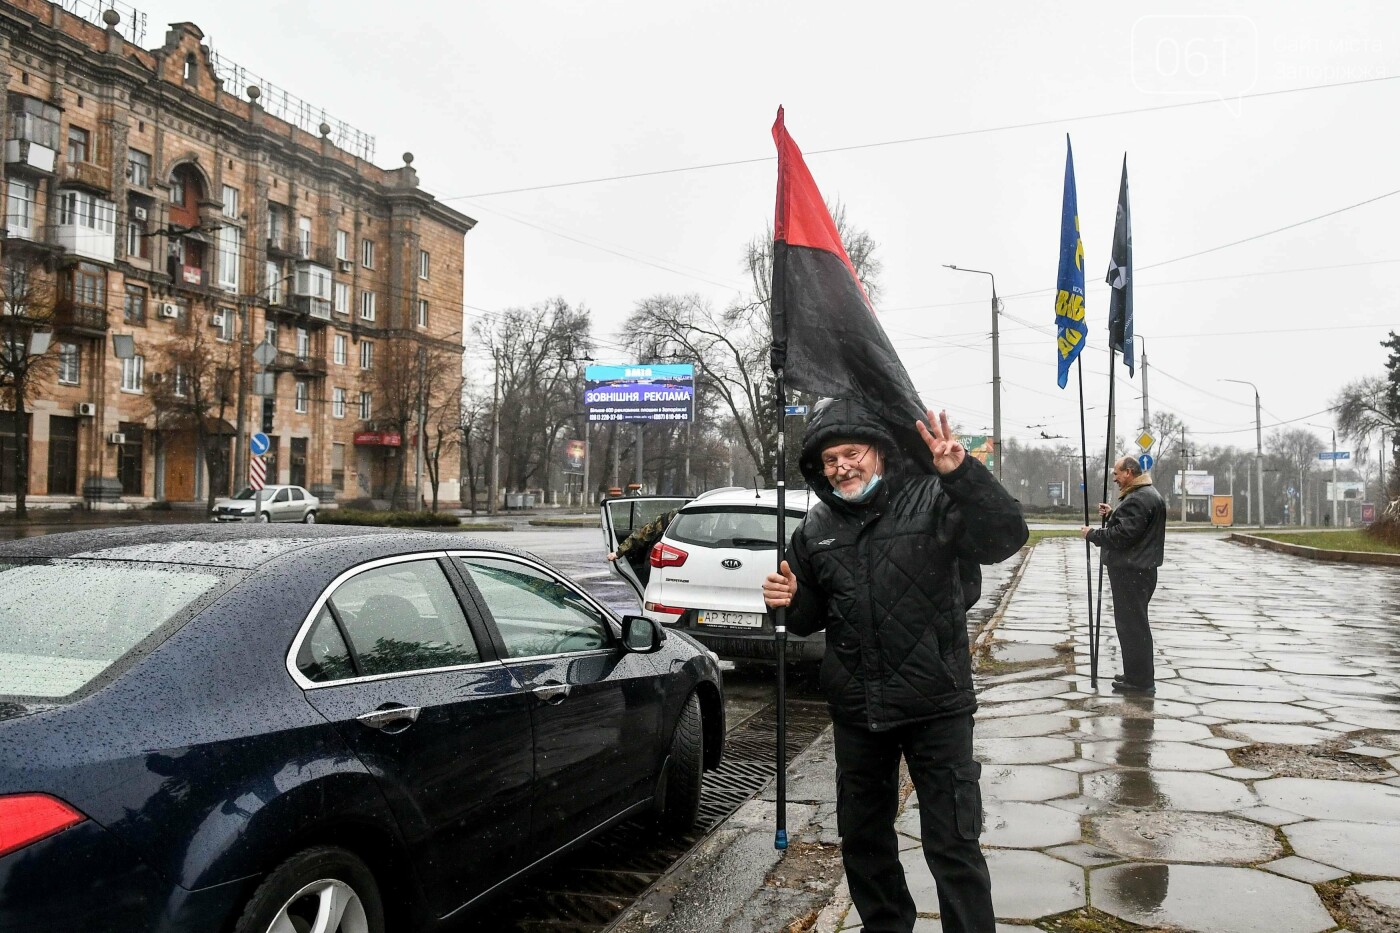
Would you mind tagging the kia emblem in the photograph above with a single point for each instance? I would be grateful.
(730, 563)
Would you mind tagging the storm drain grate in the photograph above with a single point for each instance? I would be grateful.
(586, 890)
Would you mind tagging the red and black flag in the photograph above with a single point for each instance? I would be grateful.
(826, 339)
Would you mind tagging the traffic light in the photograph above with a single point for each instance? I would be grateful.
(269, 411)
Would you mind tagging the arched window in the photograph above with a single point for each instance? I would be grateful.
(190, 66)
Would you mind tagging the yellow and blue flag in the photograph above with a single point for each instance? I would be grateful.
(1071, 330)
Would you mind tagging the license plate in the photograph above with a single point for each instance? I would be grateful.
(735, 619)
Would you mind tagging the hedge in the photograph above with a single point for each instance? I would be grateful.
(391, 519)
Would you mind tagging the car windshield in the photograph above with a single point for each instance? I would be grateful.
(64, 622)
(730, 526)
(248, 493)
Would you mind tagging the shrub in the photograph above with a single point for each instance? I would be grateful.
(389, 519)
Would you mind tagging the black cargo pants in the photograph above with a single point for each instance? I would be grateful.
(939, 754)
(1132, 591)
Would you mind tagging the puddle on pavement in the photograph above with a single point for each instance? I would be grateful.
(1161, 756)
(1199, 897)
(1116, 728)
(1169, 790)
(1019, 652)
(1185, 837)
(1022, 751)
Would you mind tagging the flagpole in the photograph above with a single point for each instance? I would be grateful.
(778, 312)
(1088, 548)
(1096, 629)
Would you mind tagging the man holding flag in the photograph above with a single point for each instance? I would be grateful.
(885, 563)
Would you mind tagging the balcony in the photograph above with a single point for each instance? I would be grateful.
(316, 308)
(313, 366)
(284, 244)
(89, 175)
(88, 320)
(23, 153)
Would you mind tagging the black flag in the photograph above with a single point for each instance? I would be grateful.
(1120, 276)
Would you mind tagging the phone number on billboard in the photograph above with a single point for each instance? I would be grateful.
(632, 416)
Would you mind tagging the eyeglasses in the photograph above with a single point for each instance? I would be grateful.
(831, 462)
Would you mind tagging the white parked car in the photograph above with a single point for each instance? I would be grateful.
(279, 504)
(705, 574)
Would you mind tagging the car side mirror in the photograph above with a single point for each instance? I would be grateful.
(642, 635)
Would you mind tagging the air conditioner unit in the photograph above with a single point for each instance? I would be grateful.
(116, 437)
(138, 213)
(169, 309)
(347, 265)
(217, 320)
(86, 409)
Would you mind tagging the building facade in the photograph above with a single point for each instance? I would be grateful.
(214, 263)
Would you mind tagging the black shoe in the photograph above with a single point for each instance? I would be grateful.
(1119, 679)
(1123, 686)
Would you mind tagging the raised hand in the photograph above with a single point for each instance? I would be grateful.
(779, 588)
(947, 451)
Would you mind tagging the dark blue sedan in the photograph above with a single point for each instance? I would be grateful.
(278, 729)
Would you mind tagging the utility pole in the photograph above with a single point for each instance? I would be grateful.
(495, 434)
(1183, 473)
(1146, 417)
(996, 366)
(1258, 445)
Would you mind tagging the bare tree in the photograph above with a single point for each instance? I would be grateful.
(412, 372)
(474, 433)
(192, 389)
(26, 357)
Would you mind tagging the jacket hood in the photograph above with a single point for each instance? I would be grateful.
(838, 419)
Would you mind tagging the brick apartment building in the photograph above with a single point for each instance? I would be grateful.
(164, 196)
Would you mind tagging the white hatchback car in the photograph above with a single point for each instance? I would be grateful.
(705, 574)
(279, 504)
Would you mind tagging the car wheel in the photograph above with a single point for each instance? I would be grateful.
(679, 807)
(310, 518)
(323, 889)
(264, 517)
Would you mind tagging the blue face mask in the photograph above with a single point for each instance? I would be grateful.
(863, 495)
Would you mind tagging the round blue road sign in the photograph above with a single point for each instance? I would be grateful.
(1145, 462)
(259, 444)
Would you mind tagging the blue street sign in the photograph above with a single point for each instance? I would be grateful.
(1145, 462)
(795, 410)
(259, 444)
(1334, 455)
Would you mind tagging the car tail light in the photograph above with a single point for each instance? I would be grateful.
(27, 818)
(658, 607)
(663, 555)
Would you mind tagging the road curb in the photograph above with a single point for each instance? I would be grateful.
(1315, 553)
(985, 634)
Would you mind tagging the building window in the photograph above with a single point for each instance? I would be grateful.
(177, 189)
(270, 332)
(19, 208)
(339, 353)
(134, 374)
(301, 396)
(273, 288)
(190, 68)
(367, 303)
(342, 245)
(303, 343)
(230, 253)
(78, 208)
(423, 261)
(366, 354)
(304, 237)
(367, 253)
(342, 298)
(134, 305)
(34, 121)
(230, 202)
(87, 286)
(337, 403)
(338, 466)
(138, 168)
(366, 406)
(137, 243)
(69, 365)
(227, 317)
(422, 319)
(77, 145)
(180, 385)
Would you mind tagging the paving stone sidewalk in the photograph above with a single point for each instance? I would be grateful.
(1258, 792)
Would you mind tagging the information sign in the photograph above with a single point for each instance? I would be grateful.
(640, 392)
(259, 444)
(1145, 462)
(1146, 440)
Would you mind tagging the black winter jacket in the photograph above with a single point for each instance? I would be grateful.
(882, 577)
(1136, 531)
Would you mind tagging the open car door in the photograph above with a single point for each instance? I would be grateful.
(627, 514)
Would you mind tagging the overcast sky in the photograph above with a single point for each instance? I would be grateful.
(525, 95)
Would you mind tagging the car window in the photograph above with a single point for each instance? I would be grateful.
(281, 496)
(535, 613)
(295, 495)
(629, 514)
(404, 617)
(64, 622)
(323, 655)
(728, 526)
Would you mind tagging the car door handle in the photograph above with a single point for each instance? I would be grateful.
(553, 694)
(390, 718)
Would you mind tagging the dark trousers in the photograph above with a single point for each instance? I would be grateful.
(1132, 591)
(939, 754)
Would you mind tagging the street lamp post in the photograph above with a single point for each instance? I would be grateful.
(1332, 498)
(996, 363)
(1258, 446)
(1146, 416)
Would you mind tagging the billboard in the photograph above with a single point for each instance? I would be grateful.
(1198, 483)
(573, 456)
(640, 392)
(983, 447)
